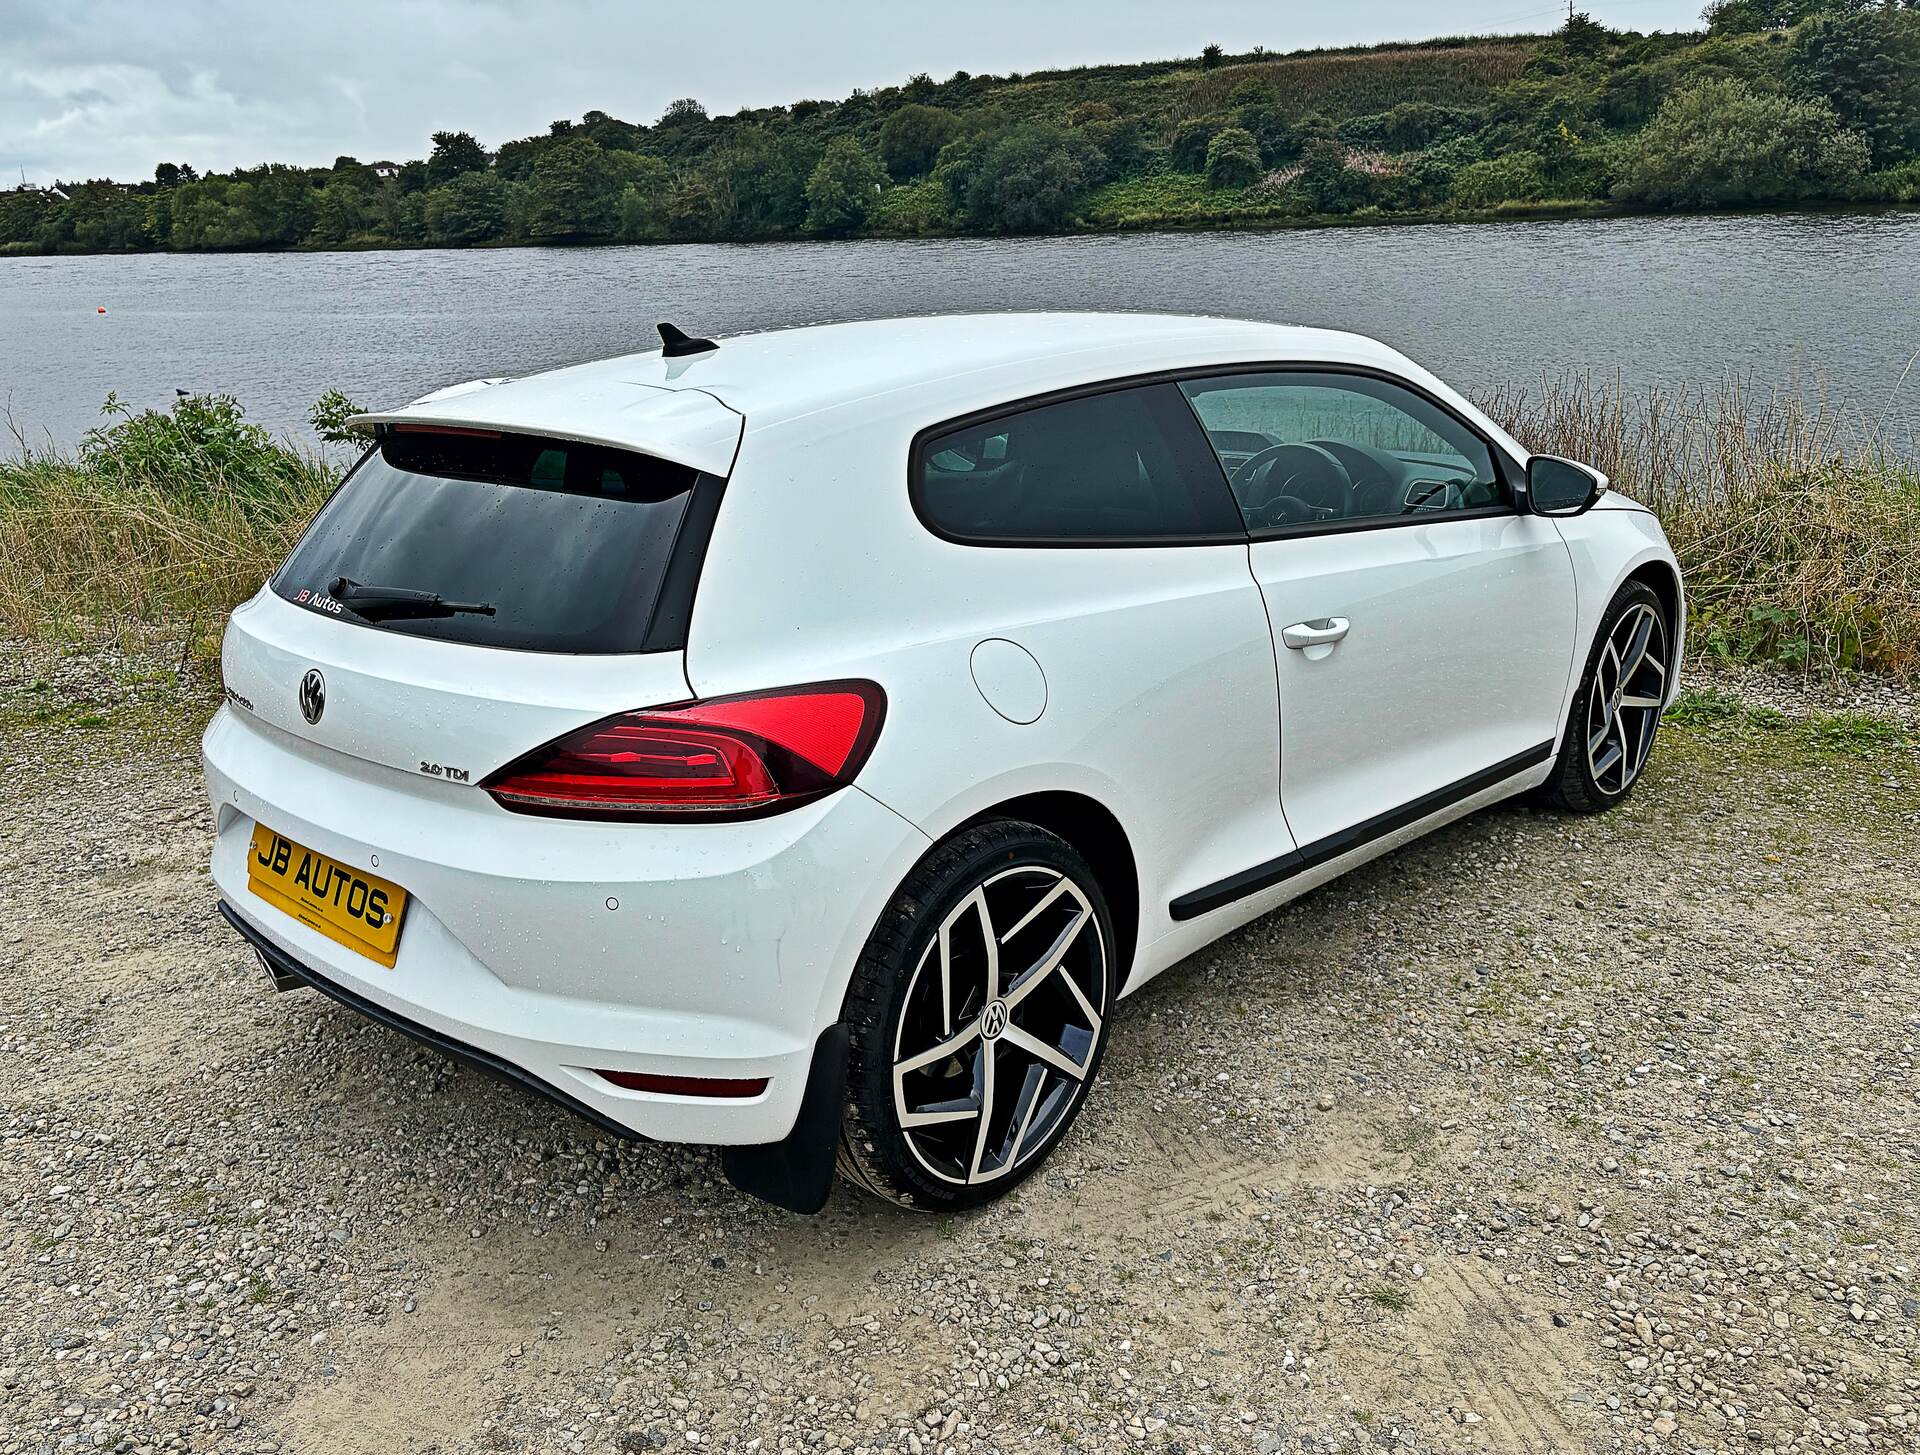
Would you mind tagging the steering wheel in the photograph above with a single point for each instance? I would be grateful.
(1448, 490)
(1306, 472)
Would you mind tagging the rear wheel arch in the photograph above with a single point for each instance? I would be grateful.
(1096, 834)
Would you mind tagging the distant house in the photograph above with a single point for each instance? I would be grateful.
(384, 170)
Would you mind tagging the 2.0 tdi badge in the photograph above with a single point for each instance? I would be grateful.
(313, 695)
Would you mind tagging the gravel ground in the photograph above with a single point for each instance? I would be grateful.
(1542, 1134)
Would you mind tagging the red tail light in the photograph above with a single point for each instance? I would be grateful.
(733, 757)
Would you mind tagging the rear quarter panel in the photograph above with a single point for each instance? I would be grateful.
(1160, 706)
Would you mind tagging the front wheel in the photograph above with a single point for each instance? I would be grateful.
(1617, 708)
(978, 1015)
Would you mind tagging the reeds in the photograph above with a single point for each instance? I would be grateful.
(107, 544)
(1796, 522)
(1798, 525)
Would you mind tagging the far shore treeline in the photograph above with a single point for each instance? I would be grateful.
(1775, 102)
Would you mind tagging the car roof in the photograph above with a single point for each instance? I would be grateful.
(689, 408)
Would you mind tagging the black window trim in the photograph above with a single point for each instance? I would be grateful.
(1510, 471)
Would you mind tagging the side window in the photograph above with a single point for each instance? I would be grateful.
(1302, 449)
(1119, 467)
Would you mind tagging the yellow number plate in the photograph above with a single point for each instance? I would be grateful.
(353, 909)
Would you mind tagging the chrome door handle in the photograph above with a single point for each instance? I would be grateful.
(1321, 633)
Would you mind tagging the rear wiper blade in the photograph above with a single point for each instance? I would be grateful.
(379, 603)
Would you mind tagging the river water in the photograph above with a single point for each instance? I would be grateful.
(1824, 303)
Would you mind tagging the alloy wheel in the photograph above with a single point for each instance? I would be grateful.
(1624, 698)
(1000, 1025)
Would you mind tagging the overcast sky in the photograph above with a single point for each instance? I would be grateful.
(110, 87)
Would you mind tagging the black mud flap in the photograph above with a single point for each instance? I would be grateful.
(796, 1173)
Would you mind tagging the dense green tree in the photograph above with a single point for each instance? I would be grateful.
(1582, 35)
(344, 210)
(1631, 94)
(1327, 183)
(953, 173)
(402, 215)
(684, 112)
(172, 174)
(1210, 57)
(472, 208)
(573, 194)
(1273, 132)
(159, 224)
(1512, 177)
(611, 133)
(1233, 159)
(1030, 178)
(1122, 145)
(760, 179)
(213, 213)
(1747, 16)
(911, 139)
(1867, 67)
(514, 161)
(454, 154)
(1409, 126)
(695, 210)
(842, 189)
(1719, 143)
(1425, 181)
(1188, 148)
(20, 216)
(106, 218)
(280, 201)
(643, 215)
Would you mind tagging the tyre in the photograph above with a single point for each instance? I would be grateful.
(1617, 708)
(978, 1014)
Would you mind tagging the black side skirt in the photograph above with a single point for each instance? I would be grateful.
(1311, 856)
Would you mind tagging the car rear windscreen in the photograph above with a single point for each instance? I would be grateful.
(507, 541)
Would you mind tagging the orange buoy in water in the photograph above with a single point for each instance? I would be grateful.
(99, 310)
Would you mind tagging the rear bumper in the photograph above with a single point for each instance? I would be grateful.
(548, 950)
(289, 973)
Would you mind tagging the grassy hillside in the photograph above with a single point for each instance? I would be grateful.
(1754, 111)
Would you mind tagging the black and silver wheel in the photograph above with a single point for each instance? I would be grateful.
(1617, 709)
(978, 1015)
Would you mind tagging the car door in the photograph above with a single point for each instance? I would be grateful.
(1422, 625)
(1094, 534)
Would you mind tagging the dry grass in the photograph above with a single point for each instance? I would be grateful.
(1800, 534)
(95, 553)
(1798, 527)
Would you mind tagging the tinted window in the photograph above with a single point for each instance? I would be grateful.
(1122, 466)
(570, 544)
(1302, 449)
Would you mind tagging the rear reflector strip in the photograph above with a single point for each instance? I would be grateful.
(721, 1086)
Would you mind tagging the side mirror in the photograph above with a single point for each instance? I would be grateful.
(1562, 487)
